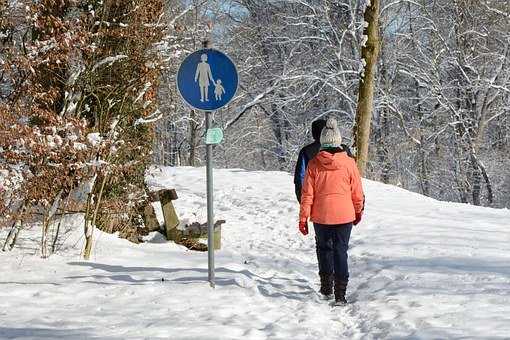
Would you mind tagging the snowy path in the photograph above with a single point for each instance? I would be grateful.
(419, 269)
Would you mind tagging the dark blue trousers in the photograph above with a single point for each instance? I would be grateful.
(332, 242)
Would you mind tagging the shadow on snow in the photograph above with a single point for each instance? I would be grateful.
(273, 286)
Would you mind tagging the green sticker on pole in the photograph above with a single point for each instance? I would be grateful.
(214, 136)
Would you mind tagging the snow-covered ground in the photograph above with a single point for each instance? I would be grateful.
(420, 269)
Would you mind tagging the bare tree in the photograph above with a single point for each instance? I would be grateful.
(369, 54)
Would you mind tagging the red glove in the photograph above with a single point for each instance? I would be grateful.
(358, 218)
(303, 228)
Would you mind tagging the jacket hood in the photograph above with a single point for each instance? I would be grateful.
(331, 161)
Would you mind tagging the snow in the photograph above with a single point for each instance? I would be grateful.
(153, 117)
(109, 61)
(4, 181)
(79, 146)
(364, 40)
(74, 76)
(143, 91)
(94, 138)
(420, 269)
(362, 67)
(50, 140)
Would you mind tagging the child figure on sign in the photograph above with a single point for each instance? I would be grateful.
(219, 90)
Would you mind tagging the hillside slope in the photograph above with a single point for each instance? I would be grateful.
(419, 268)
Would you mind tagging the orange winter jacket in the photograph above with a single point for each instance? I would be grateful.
(332, 191)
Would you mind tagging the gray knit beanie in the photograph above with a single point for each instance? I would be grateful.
(330, 135)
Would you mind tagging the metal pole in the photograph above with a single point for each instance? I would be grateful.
(210, 212)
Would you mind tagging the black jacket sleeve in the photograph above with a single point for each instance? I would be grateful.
(348, 150)
(299, 173)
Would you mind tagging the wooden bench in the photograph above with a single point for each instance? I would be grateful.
(192, 232)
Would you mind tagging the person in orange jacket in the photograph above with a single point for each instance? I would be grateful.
(332, 198)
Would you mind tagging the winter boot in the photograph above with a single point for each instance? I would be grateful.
(340, 289)
(326, 285)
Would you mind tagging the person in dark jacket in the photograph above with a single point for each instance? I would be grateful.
(307, 153)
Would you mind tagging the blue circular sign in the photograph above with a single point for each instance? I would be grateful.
(207, 80)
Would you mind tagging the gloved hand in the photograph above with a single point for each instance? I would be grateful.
(358, 218)
(303, 228)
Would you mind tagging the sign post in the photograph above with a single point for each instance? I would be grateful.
(207, 80)
(210, 204)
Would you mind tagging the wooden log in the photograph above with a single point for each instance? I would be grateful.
(156, 196)
(217, 234)
(195, 231)
(150, 220)
(217, 238)
(171, 219)
(192, 232)
(167, 194)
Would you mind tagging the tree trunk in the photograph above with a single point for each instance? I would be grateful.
(369, 54)
(48, 216)
(381, 134)
(277, 126)
(477, 183)
(89, 229)
(17, 225)
(57, 232)
(479, 171)
(193, 126)
(424, 174)
(11, 237)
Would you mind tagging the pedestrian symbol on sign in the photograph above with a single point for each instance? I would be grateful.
(219, 90)
(203, 74)
(207, 79)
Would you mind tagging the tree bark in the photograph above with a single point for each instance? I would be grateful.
(193, 126)
(48, 216)
(11, 237)
(57, 232)
(89, 229)
(369, 53)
